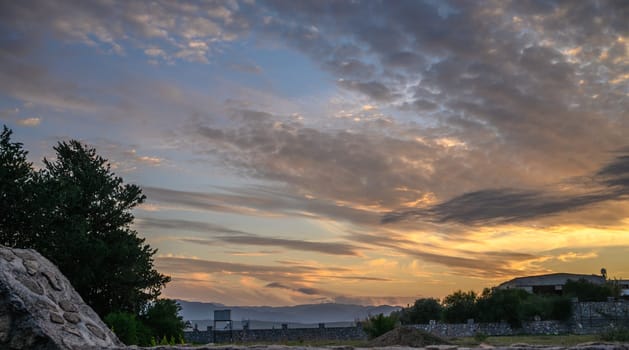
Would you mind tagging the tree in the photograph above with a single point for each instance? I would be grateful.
(459, 306)
(496, 305)
(16, 200)
(77, 213)
(85, 220)
(588, 291)
(163, 320)
(424, 310)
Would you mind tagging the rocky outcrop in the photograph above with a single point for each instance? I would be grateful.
(39, 308)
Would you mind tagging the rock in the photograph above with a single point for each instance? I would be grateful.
(54, 317)
(53, 281)
(72, 317)
(68, 306)
(31, 317)
(31, 266)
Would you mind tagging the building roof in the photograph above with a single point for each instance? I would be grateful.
(550, 280)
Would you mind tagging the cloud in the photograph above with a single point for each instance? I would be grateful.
(246, 67)
(571, 256)
(616, 173)
(261, 202)
(501, 206)
(282, 273)
(219, 234)
(150, 223)
(333, 248)
(302, 290)
(177, 30)
(487, 115)
(373, 89)
(34, 121)
(182, 265)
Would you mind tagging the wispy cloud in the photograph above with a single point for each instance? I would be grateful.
(34, 121)
(333, 248)
(222, 235)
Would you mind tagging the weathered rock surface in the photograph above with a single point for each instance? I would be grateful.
(39, 308)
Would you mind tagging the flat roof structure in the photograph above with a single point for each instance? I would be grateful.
(550, 283)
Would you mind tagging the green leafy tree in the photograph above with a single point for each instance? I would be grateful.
(376, 326)
(163, 319)
(85, 225)
(495, 305)
(77, 213)
(459, 306)
(16, 192)
(422, 311)
(588, 291)
(516, 306)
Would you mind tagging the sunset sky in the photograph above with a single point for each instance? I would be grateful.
(341, 151)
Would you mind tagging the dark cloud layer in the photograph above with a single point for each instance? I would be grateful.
(303, 290)
(497, 206)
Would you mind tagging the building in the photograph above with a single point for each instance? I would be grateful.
(552, 283)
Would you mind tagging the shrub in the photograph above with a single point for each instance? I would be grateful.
(376, 326)
(124, 325)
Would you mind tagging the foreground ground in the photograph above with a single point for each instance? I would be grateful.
(550, 340)
(584, 346)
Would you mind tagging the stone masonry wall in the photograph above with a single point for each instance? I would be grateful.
(587, 318)
(594, 317)
(494, 329)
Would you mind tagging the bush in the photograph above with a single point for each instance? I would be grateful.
(124, 325)
(163, 320)
(376, 326)
(561, 308)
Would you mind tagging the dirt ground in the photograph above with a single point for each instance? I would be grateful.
(403, 336)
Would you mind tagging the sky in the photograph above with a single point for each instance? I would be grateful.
(369, 152)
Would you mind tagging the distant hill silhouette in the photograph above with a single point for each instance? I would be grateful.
(310, 313)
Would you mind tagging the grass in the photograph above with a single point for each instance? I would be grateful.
(313, 343)
(558, 340)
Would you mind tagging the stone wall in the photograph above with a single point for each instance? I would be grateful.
(274, 335)
(594, 317)
(494, 329)
(587, 318)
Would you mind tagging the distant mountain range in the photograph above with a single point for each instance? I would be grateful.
(302, 314)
